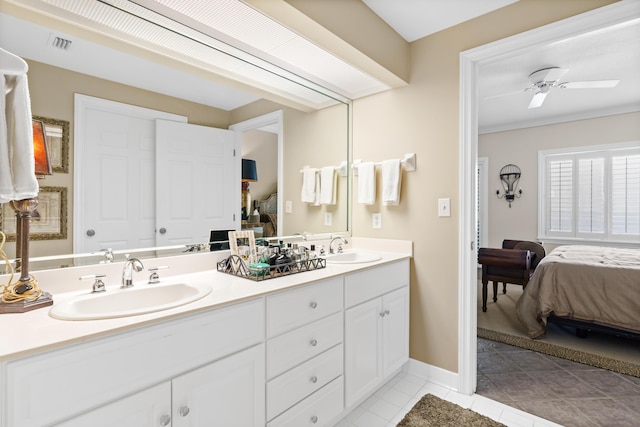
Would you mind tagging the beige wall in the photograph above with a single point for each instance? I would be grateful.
(424, 118)
(521, 147)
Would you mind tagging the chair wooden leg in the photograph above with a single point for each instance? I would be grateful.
(495, 291)
(484, 295)
(504, 287)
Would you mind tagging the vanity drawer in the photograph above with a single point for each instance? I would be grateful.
(368, 284)
(291, 349)
(291, 309)
(317, 410)
(286, 390)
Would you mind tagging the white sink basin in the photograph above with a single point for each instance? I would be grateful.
(353, 257)
(140, 299)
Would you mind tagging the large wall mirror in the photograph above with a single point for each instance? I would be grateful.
(285, 124)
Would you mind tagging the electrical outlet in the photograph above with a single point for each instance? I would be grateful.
(444, 207)
(328, 219)
(288, 206)
(377, 220)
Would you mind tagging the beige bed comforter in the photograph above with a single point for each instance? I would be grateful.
(590, 283)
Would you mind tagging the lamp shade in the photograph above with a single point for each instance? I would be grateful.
(249, 170)
(40, 149)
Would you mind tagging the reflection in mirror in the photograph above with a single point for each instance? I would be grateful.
(307, 137)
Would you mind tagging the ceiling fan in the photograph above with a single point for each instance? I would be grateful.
(545, 79)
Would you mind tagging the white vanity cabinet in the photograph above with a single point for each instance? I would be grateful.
(229, 392)
(305, 355)
(213, 355)
(300, 356)
(376, 328)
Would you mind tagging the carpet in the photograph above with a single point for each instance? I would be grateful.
(499, 323)
(433, 411)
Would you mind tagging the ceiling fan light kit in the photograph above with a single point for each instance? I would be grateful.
(545, 79)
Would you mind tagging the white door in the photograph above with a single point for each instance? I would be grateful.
(363, 345)
(149, 408)
(114, 178)
(395, 330)
(118, 198)
(195, 182)
(227, 393)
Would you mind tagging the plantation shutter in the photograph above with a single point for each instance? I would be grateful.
(591, 195)
(625, 193)
(560, 195)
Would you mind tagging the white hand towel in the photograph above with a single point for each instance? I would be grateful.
(328, 185)
(391, 178)
(308, 193)
(316, 202)
(367, 183)
(17, 168)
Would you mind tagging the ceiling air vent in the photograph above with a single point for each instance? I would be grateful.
(60, 43)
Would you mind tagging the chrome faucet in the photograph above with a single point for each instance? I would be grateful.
(345, 241)
(130, 264)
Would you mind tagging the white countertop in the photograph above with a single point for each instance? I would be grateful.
(24, 334)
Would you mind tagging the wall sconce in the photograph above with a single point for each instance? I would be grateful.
(510, 175)
(249, 174)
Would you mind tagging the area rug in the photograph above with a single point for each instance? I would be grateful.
(431, 411)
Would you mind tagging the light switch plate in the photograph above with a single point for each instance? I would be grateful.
(288, 206)
(377, 220)
(328, 219)
(444, 207)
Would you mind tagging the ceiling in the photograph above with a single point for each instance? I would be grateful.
(503, 102)
(613, 53)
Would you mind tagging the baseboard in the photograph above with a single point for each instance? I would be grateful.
(432, 373)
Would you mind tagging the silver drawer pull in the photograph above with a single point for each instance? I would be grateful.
(313, 304)
(314, 379)
(183, 411)
(314, 343)
(314, 419)
(382, 314)
(165, 420)
(386, 312)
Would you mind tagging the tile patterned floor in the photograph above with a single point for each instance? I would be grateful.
(389, 405)
(569, 393)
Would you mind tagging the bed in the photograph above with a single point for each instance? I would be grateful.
(586, 286)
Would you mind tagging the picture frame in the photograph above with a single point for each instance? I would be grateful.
(57, 132)
(50, 222)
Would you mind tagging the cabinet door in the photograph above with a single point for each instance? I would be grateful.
(395, 330)
(363, 345)
(149, 408)
(228, 393)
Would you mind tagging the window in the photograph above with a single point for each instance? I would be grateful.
(590, 193)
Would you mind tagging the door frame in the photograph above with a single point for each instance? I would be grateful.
(470, 61)
(274, 122)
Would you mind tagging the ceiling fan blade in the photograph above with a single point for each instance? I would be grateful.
(593, 84)
(555, 74)
(537, 99)
(500, 95)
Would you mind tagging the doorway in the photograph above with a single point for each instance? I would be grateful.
(470, 61)
(271, 122)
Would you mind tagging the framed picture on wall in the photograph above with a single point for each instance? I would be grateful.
(49, 221)
(57, 132)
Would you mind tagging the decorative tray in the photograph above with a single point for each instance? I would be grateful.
(237, 266)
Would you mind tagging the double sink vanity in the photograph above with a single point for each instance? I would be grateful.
(202, 348)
